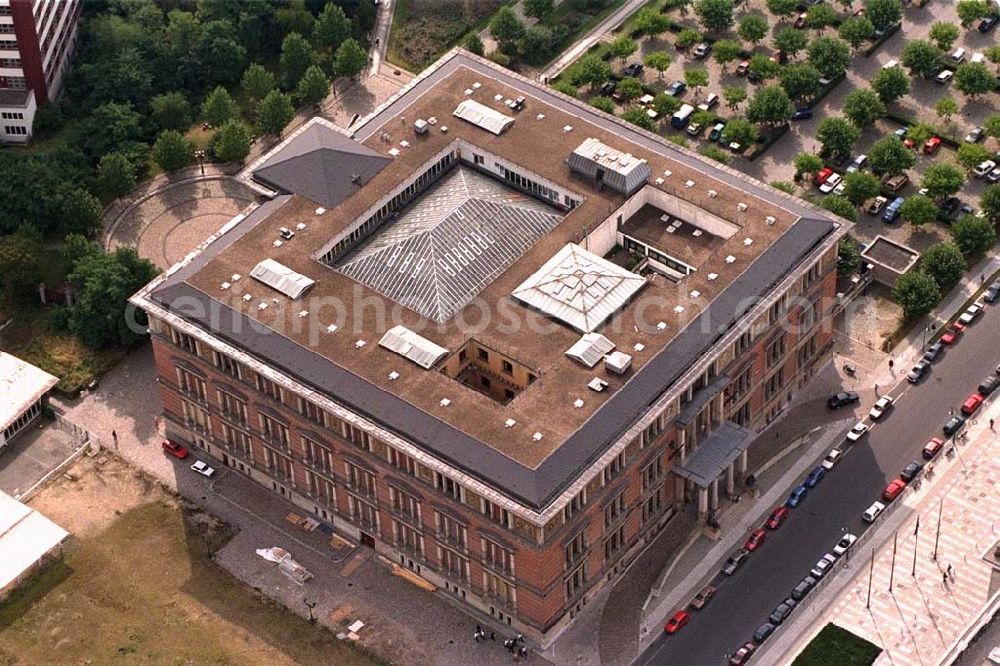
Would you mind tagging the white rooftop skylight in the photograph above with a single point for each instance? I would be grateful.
(281, 278)
(483, 116)
(416, 348)
(590, 349)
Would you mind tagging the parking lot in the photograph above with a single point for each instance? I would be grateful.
(32, 455)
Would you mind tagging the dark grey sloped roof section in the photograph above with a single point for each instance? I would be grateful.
(322, 165)
(533, 487)
(722, 446)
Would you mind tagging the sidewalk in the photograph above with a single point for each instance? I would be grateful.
(596, 34)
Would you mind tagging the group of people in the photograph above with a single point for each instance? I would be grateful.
(513, 645)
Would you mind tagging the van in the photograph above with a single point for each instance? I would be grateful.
(958, 56)
(890, 64)
(682, 117)
(892, 210)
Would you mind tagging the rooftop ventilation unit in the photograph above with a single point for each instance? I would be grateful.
(608, 167)
(590, 348)
(286, 233)
(236, 277)
(444, 402)
(659, 181)
(748, 242)
(224, 286)
(281, 278)
(358, 344)
(303, 314)
(277, 243)
(713, 276)
(695, 293)
(597, 384)
(414, 347)
(393, 376)
(730, 259)
(661, 325)
(420, 126)
(741, 206)
(770, 220)
(537, 437)
(578, 403)
(320, 210)
(509, 423)
(638, 347)
(678, 309)
(668, 173)
(300, 226)
(618, 363)
(689, 183)
(712, 194)
(332, 328)
(247, 298)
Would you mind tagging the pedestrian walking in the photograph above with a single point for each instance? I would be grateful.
(114, 439)
(475, 635)
(992, 423)
(493, 636)
(944, 578)
(951, 572)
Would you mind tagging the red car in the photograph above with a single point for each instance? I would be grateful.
(933, 447)
(952, 335)
(971, 404)
(777, 517)
(931, 145)
(755, 539)
(822, 175)
(909, 144)
(892, 490)
(742, 655)
(175, 449)
(677, 622)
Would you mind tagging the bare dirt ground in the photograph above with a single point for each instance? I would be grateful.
(136, 584)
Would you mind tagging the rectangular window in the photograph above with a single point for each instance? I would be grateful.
(507, 367)
(576, 581)
(776, 351)
(403, 462)
(232, 407)
(228, 365)
(499, 589)
(448, 486)
(358, 436)
(744, 342)
(652, 473)
(615, 510)
(404, 503)
(407, 538)
(495, 512)
(273, 431)
(269, 388)
(191, 385)
(236, 440)
(614, 468)
(651, 507)
(498, 557)
(578, 502)
(362, 512)
(196, 417)
(184, 341)
(312, 412)
(360, 480)
(450, 530)
(575, 549)
(453, 564)
(484, 355)
(614, 544)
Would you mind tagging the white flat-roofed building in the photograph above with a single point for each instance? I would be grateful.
(23, 389)
(27, 539)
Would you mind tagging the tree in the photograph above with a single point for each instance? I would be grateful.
(783, 185)
(637, 116)
(918, 209)
(170, 111)
(942, 179)
(715, 14)
(848, 256)
(921, 57)
(332, 27)
(232, 142)
(918, 133)
(889, 155)
(807, 164)
(21, 262)
(666, 105)
(993, 54)
(713, 152)
(890, 84)
(172, 151)
(605, 104)
(257, 82)
(622, 47)
(856, 30)
(275, 113)
(506, 28)
(884, 13)
(351, 59)
(989, 201)
(294, 18)
(944, 35)
(782, 8)
(219, 56)
(115, 174)
(687, 38)
(565, 87)
(837, 136)
(820, 16)
(971, 154)
(771, 105)
(630, 88)
(726, 51)
(109, 127)
(742, 132)
(762, 67)
(538, 9)
(734, 96)
(753, 28)
(313, 86)
(946, 107)
(973, 235)
(590, 69)
(218, 107)
(103, 284)
(971, 10)
(790, 41)
(917, 293)
(474, 44)
(296, 57)
(76, 247)
(943, 262)
(538, 43)
(830, 56)
(650, 21)
(974, 79)
(800, 80)
(839, 205)
(696, 78)
(860, 186)
(660, 61)
(992, 126)
(863, 107)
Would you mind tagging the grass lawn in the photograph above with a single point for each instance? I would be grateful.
(422, 30)
(143, 590)
(834, 646)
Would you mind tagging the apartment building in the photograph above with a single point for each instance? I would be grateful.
(37, 38)
(495, 334)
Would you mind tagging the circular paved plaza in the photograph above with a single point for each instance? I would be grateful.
(168, 225)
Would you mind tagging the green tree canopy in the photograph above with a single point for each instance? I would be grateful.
(715, 14)
(218, 107)
(753, 28)
(840, 206)
(726, 51)
(762, 67)
(971, 154)
(637, 116)
(297, 55)
(889, 155)
(807, 164)
(771, 106)
(943, 262)
(172, 151)
(658, 60)
(622, 47)
(856, 30)
(506, 28)
(790, 41)
(974, 79)
(605, 104)
(863, 107)
(649, 21)
(992, 126)
(971, 10)
(918, 209)
(820, 16)
(848, 256)
(742, 132)
(884, 13)
(734, 96)
(921, 57)
(946, 107)
(973, 235)
(474, 44)
(696, 78)
(782, 8)
(170, 111)
(800, 80)
(351, 58)
(917, 293)
(687, 38)
(590, 70)
(944, 34)
(257, 82)
(21, 262)
(313, 86)
(860, 186)
(989, 201)
(666, 105)
(891, 83)
(275, 113)
(232, 142)
(116, 174)
(830, 56)
(942, 179)
(630, 88)
(837, 135)
(332, 27)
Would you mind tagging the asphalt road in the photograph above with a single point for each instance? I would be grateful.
(744, 600)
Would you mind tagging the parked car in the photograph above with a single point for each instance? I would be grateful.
(992, 293)
(716, 132)
(695, 129)
(633, 69)
(892, 490)
(953, 333)
(608, 88)
(932, 448)
(677, 622)
(944, 76)
(971, 314)
(857, 163)
(948, 208)
(931, 145)
(993, 176)
(873, 512)
(972, 404)
(702, 50)
(676, 89)
(918, 371)
(830, 183)
(710, 102)
(203, 469)
(757, 538)
(795, 498)
(843, 399)
(800, 20)
(911, 471)
(974, 135)
(988, 24)
(822, 175)
(822, 566)
(984, 168)
(804, 587)
(832, 458)
(933, 352)
(857, 432)
(802, 114)
(734, 561)
(876, 206)
(815, 476)
(844, 544)
(703, 597)
(743, 68)
(958, 56)
(777, 517)
(891, 212)
(988, 385)
(763, 632)
(881, 406)
(175, 449)
(953, 425)
(742, 655)
(781, 613)
(897, 182)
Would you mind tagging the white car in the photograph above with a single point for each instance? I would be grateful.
(858, 431)
(830, 183)
(202, 468)
(844, 544)
(994, 656)
(944, 76)
(873, 512)
(823, 566)
(832, 458)
(881, 406)
(837, 191)
(970, 314)
(984, 168)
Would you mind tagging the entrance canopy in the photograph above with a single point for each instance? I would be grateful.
(715, 454)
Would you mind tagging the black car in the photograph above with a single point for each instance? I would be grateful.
(803, 588)
(993, 293)
(676, 89)
(988, 24)
(948, 208)
(633, 69)
(989, 385)
(762, 633)
(933, 352)
(734, 561)
(953, 425)
(843, 399)
(918, 371)
(911, 471)
(781, 613)
(608, 88)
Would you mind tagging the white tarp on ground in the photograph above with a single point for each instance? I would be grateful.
(21, 385)
(25, 537)
(286, 564)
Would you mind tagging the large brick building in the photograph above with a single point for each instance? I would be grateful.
(37, 38)
(417, 338)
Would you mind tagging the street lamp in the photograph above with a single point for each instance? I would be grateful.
(200, 156)
(927, 329)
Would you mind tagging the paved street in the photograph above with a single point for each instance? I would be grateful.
(744, 601)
